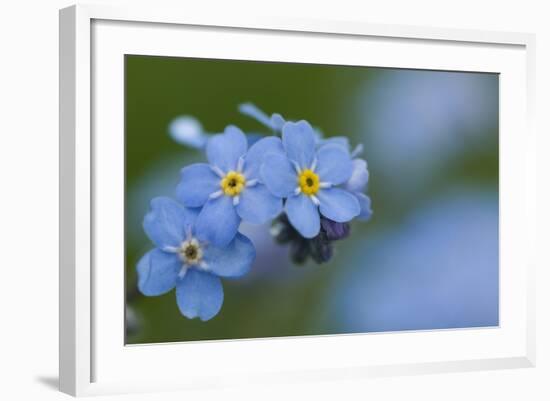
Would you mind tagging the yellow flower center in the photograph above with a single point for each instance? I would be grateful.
(191, 252)
(308, 182)
(233, 183)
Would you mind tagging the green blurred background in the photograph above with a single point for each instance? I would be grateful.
(430, 138)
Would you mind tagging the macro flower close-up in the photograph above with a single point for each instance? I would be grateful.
(229, 188)
(272, 196)
(308, 178)
(184, 259)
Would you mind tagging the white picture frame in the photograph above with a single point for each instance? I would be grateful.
(93, 360)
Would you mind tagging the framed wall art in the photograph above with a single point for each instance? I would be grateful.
(255, 199)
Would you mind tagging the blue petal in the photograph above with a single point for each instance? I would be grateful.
(167, 222)
(199, 294)
(338, 205)
(277, 121)
(335, 140)
(233, 260)
(250, 110)
(187, 130)
(365, 204)
(197, 182)
(303, 215)
(218, 221)
(333, 164)
(224, 150)
(157, 272)
(252, 138)
(256, 154)
(257, 205)
(278, 175)
(359, 176)
(299, 142)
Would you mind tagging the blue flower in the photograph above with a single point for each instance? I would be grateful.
(357, 185)
(275, 122)
(336, 140)
(308, 177)
(188, 131)
(184, 259)
(229, 187)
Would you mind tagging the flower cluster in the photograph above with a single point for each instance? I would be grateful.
(309, 187)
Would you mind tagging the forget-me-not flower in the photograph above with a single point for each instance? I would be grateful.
(308, 177)
(229, 187)
(183, 258)
(188, 131)
(357, 185)
(274, 122)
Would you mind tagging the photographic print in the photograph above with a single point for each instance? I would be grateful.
(270, 199)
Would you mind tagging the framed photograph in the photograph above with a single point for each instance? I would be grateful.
(252, 200)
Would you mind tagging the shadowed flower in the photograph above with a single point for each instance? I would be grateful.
(184, 259)
(318, 248)
(229, 187)
(334, 230)
(308, 177)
